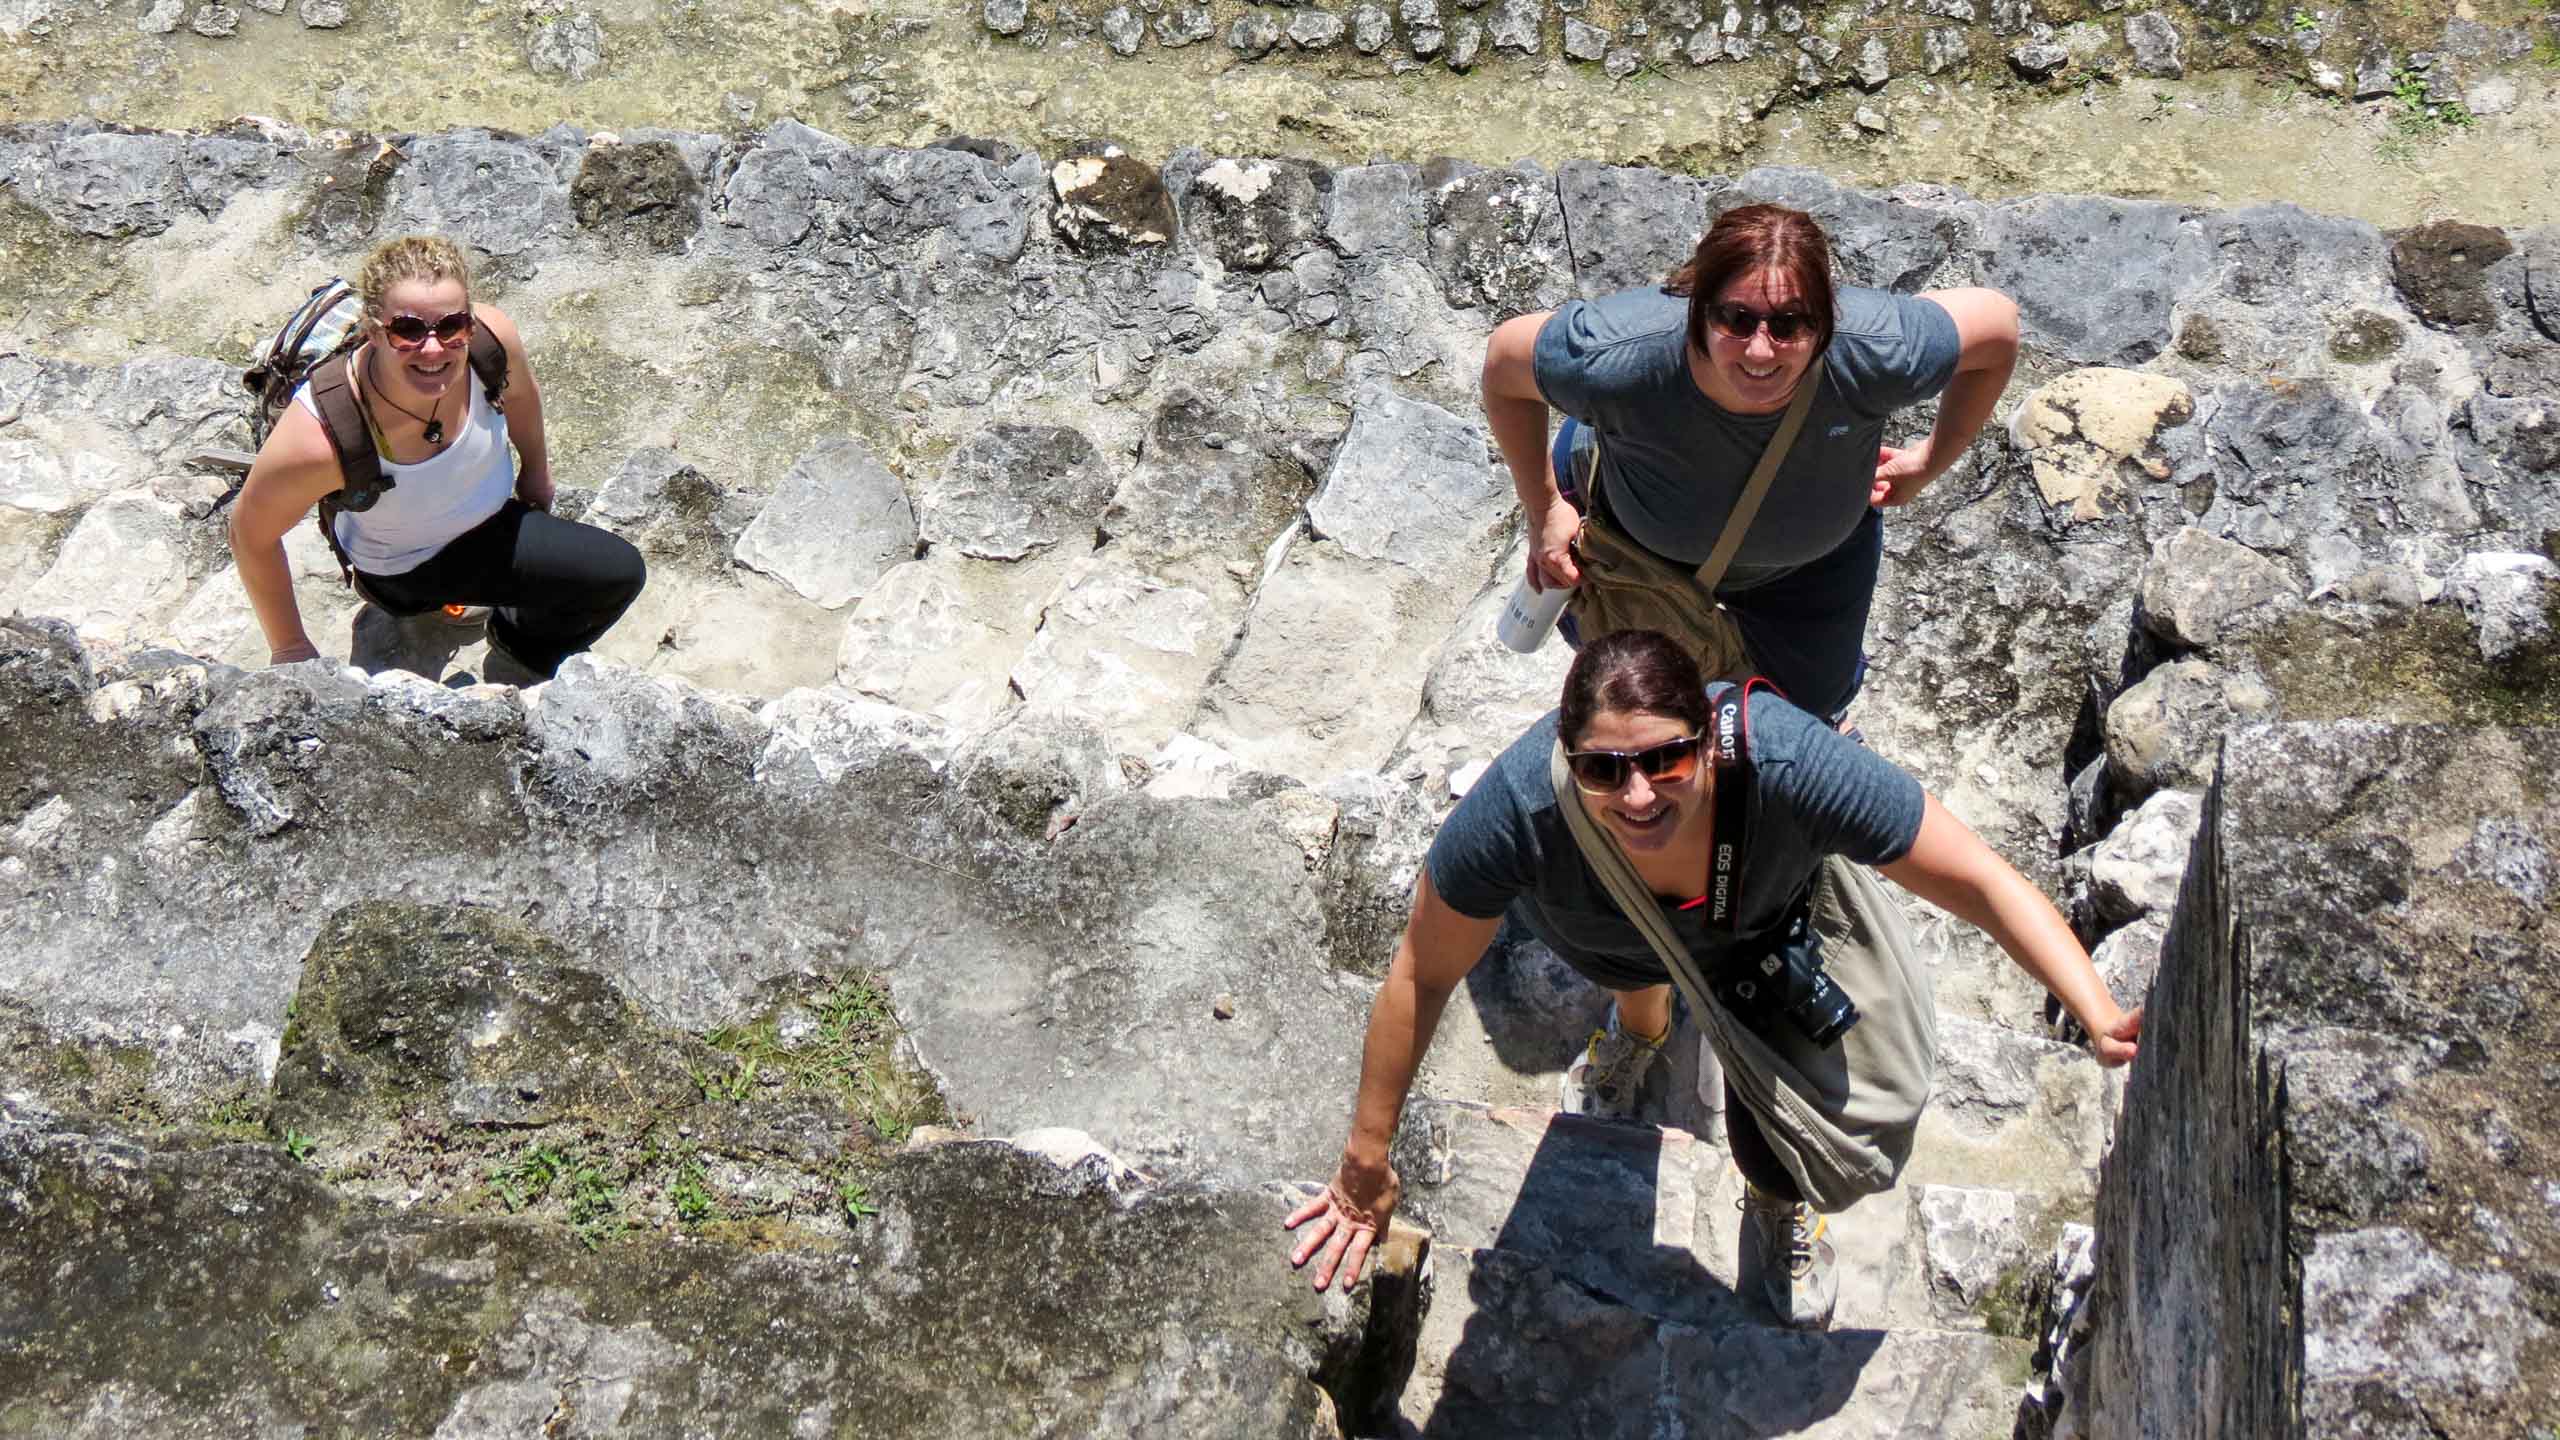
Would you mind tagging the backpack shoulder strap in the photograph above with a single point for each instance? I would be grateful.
(489, 362)
(1729, 748)
(333, 397)
(1747, 506)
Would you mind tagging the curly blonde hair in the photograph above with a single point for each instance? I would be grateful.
(411, 257)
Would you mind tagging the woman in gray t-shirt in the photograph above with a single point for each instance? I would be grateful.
(1633, 719)
(1683, 384)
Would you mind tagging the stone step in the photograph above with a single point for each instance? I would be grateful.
(1648, 1217)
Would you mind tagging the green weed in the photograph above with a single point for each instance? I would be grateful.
(592, 1197)
(734, 1086)
(852, 1054)
(856, 1198)
(521, 1183)
(299, 1146)
(690, 1193)
(2302, 21)
(2416, 120)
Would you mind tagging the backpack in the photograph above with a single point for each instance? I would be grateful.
(314, 346)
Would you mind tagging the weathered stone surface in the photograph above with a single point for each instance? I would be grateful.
(2509, 599)
(1253, 35)
(121, 570)
(1109, 200)
(1182, 25)
(1207, 488)
(2199, 590)
(661, 503)
(1518, 26)
(644, 190)
(1123, 29)
(2135, 871)
(2039, 61)
(1015, 490)
(1630, 226)
(1128, 650)
(500, 196)
(2324, 1009)
(2164, 732)
(2088, 429)
(915, 639)
(1316, 29)
(1496, 237)
(835, 522)
(571, 46)
(1253, 214)
(1371, 29)
(2031, 248)
(2441, 268)
(2156, 45)
(1875, 65)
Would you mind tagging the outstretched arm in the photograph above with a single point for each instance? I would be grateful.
(1987, 337)
(1516, 411)
(1438, 949)
(293, 470)
(524, 412)
(1951, 868)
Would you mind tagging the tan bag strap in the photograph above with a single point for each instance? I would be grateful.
(1747, 506)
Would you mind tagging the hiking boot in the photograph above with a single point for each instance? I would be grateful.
(1784, 1250)
(1604, 1079)
(501, 667)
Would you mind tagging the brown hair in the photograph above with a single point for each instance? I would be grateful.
(1642, 670)
(1757, 237)
(411, 257)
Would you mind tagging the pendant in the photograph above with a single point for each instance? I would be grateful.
(435, 432)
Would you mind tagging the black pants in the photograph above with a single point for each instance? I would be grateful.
(554, 586)
(1751, 1153)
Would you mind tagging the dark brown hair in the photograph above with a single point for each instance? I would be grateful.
(1758, 237)
(1631, 670)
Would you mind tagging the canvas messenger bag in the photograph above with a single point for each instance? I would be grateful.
(1627, 587)
(1840, 1117)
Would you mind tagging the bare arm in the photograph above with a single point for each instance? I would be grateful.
(1516, 411)
(1987, 337)
(1951, 868)
(293, 470)
(524, 412)
(1437, 950)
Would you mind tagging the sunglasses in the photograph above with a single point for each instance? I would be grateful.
(1741, 322)
(409, 332)
(1601, 772)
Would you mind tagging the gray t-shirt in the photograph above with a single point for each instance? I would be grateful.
(1673, 462)
(1814, 792)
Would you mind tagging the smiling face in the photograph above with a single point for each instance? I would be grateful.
(429, 370)
(1756, 375)
(1644, 813)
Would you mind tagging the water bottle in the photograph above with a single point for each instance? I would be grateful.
(1529, 615)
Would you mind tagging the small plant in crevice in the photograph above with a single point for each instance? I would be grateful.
(299, 1146)
(731, 1085)
(847, 1047)
(689, 1193)
(522, 1183)
(855, 1197)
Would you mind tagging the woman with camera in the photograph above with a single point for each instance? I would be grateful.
(1655, 829)
(442, 389)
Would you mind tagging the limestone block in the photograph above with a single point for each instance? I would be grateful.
(1975, 1246)
(2508, 600)
(2136, 870)
(1253, 214)
(1129, 651)
(2166, 731)
(837, 520)
(1013, 490)
(38, 479)
(120, 570)
(1110, 201)
(1410, 486)
(2079, 430)
(2199, 590)
(915, 640)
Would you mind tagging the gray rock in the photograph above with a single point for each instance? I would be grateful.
(501, 197)
(1124, 29)
(1109, 201)
(835, 522)
(1207, 485)
(1316, 29)
(2031, 248)
(324, 14)
(1584, 41)
(1974, 1246)
(2039, 61)
(1253, 35)
(2158, 49)
(1409, 486)
(1253, 214)
(1496, 237)
(2377, 74)
(1622, 62)
(1371, 29)
(1182, 25)
(1418, 16)
(2129, 959)
(1376, 215)
(108, 184)
(2508, 600)
(1005, 17)
(215, 20)
(2199, 591)
(2136, 870)
(1518, 26)
(1014, 490)
(1875, 65)
(1465, 43)
(1630, 226)
(162, 17)
(571, 45)
(661, 503)
(1942, 48)
(1703, 47)
(2165, 732)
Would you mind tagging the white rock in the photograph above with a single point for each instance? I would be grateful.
(2505, 596)
(2137, 869)
(838, 520)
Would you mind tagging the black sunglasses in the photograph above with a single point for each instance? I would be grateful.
(1601, 772)
(408, 332)
(1741, 322)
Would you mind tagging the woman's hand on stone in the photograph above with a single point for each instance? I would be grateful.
(1551, 547)
(1901, 474)
(2116, 1044)
(1343, 1225)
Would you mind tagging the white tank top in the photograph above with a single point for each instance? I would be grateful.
(436, 499)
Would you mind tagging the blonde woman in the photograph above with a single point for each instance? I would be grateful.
(459, 520)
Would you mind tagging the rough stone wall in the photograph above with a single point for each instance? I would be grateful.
(2330, 1208)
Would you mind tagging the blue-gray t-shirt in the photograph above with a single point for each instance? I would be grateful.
(1814, 792)
(1673, 462)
